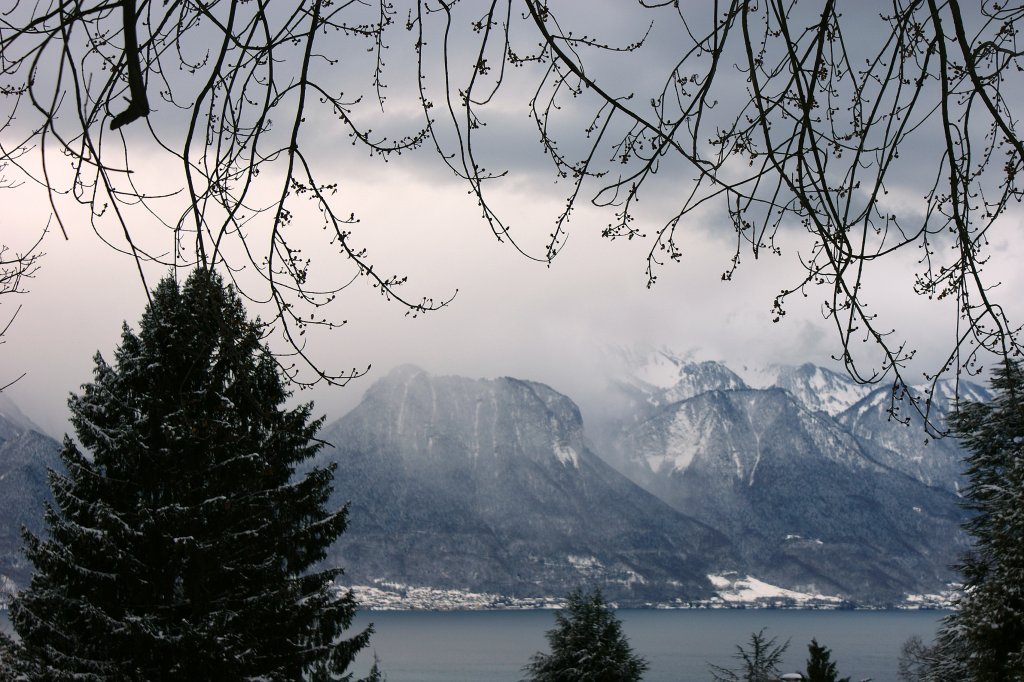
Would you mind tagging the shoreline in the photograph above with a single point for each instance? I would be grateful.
(386, 596)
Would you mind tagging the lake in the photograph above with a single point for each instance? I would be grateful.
(492, 646)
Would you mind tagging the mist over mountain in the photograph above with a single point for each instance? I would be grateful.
(642, 382)
(685, 472)
(12, 419)
(491, 486)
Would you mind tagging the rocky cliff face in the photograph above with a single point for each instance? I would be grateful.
(490, 486)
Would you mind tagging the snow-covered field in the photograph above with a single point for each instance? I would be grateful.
(733, 591)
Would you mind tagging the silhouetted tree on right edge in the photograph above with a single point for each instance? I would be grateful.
(982, 640)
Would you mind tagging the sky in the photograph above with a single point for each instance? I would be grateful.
(511, 315)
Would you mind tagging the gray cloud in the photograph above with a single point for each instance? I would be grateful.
(511, 316)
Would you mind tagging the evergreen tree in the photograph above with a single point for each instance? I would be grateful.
(587, 645)
(182, 548)
(9, 654)
(820, 667)
(758, 663)
(983, 639)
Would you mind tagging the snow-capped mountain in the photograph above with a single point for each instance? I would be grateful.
(661, 377)
(902, 443)
(818, 388)
(490, 486)
(25, 455)
(862, 410)
(13, 417)
(808, 509)
(644, 380)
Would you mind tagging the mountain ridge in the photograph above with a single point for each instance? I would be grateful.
(494, 489)
(761, 468)
(498, 486)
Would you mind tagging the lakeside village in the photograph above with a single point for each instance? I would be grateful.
(733, 593)
(743, 593)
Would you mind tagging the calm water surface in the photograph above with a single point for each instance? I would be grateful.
(492, 646)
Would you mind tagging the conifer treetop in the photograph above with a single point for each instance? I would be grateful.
(185, 546)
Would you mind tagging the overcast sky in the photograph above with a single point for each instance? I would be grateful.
(511, 316)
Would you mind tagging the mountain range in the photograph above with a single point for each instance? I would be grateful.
(690, 476)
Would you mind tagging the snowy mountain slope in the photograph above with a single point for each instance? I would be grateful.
(644, 381)
(490, 486)
(658, 377)
(906, 447)
(25, 455)
(807, 507)
(13, 417)
(860, 409)
(650, 379)
(664, 376)
(818, 388)
(493, 486)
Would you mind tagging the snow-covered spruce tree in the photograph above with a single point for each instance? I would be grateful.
(983, 639)
(9, 652)
(587, 645)
(182, 548)
(820, 666)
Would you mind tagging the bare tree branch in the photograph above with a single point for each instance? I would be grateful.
(795, 121)
(138, 104)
